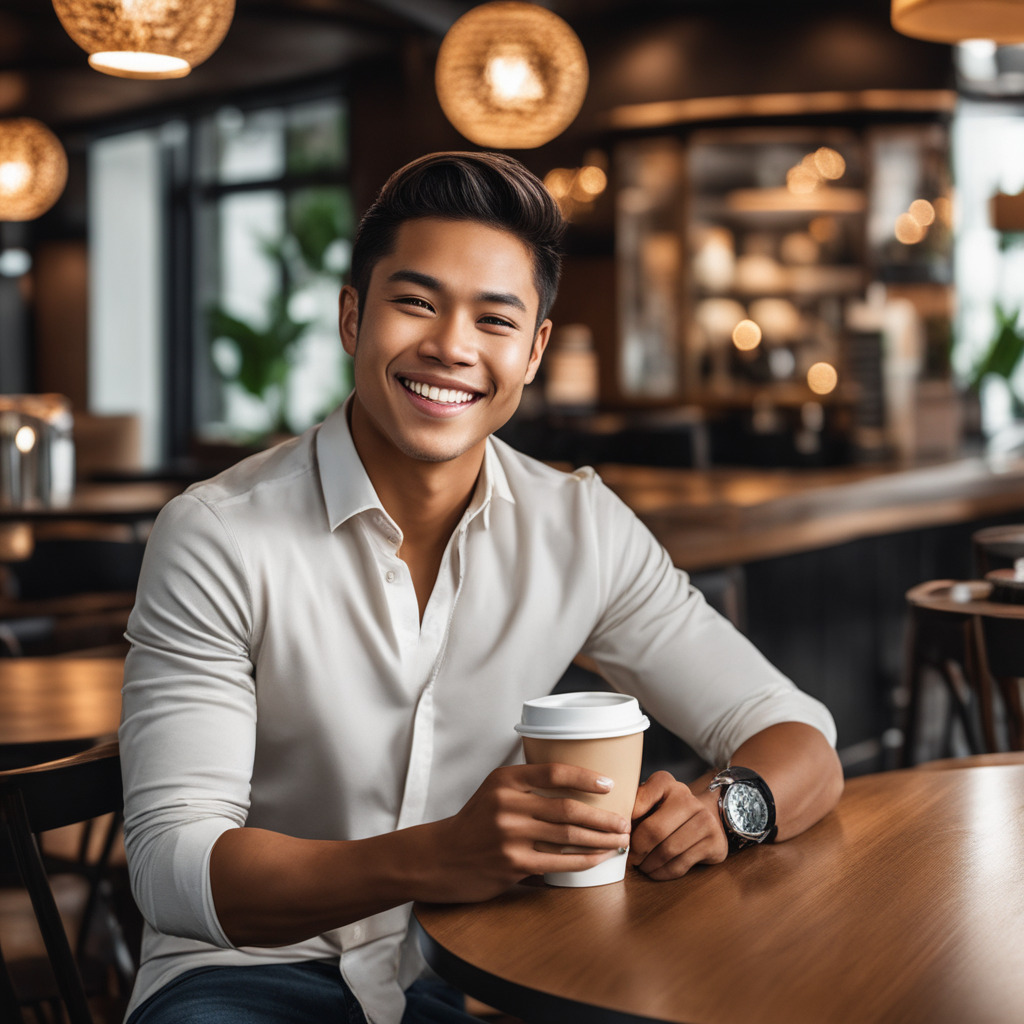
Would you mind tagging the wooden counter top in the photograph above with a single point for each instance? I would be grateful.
(717, 517)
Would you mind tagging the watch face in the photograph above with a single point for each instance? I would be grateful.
(746, 809)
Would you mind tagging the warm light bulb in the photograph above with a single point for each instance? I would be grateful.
(829, 164)
(558, 181)
(33, 169)
(510, 75)
(908, 230)
(592, 180)
(802, 180)
(133, 64)
(746, 335)
(822, 378)
(512, 78)
(14, 176)
(25, 439)
(146, 38)
(922, 211)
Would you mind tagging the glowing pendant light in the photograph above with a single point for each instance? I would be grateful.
(33, 168)
(954, 21)
(511, 75)
(146, 38)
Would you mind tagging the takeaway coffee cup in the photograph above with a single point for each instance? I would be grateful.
(600, 731)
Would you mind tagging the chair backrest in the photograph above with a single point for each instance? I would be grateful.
(43, 797)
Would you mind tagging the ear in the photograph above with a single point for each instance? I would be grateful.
(539, 344)
(348, 318)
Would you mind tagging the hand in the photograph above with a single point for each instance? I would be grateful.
(506, 831)
(674, 828)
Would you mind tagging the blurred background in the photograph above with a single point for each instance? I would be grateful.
(787, 331)
(786, 172)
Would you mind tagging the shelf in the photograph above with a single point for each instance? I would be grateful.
(798, 282)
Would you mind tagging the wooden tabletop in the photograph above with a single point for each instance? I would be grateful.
(110, 503)
(903, 906)
(57, 702)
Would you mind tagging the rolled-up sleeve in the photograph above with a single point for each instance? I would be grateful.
(188, 724)
(658, 639)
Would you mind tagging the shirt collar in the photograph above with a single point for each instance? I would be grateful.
(346, 486)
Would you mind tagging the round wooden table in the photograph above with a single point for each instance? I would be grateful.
(50, 707)
(903, 906)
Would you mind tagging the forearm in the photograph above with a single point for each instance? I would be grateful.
(271, 889)
(801, 768)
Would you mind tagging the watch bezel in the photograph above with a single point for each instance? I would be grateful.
(745, 833)
(724, 781)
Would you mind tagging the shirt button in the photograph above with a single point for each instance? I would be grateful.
(357, 932)
(390, 576)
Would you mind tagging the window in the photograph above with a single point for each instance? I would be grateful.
(273, 223)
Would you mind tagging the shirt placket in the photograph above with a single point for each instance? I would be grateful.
(434, 642)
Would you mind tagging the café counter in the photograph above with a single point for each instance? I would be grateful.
(814, 565)
(716, 517)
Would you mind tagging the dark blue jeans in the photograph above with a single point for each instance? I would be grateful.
(311, 992)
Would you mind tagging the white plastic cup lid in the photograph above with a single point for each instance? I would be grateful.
(582, 716)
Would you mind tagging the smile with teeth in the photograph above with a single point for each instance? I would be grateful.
(443, 396)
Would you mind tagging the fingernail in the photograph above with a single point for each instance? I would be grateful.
(605, 783)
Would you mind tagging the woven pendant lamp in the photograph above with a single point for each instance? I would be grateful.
(953, 21)
(511, 75)
(146, 38)
(33, 168)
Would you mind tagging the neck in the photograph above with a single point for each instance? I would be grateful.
(425, 499)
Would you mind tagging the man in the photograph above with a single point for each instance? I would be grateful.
(333, 640)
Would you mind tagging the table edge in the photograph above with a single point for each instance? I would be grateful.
(531, 1004)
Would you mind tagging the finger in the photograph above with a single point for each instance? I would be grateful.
(561, 836)
(676, 815)
(562, 776)
(651, 792)
(704, 852)
(698, 833)
(566, 811)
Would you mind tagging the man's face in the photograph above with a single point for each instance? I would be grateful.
(447, 339)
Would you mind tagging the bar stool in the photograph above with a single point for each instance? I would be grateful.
(1002, 650)
(997, 547)
(943, 637)
(976, 646)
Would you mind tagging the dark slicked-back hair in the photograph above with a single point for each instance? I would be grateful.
(491, 188)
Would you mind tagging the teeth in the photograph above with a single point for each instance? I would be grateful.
(443, 396)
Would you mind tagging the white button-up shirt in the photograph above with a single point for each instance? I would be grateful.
(280, 676)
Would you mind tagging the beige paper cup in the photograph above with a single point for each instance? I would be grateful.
(600, 731)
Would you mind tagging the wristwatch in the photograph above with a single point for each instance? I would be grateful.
(746, 805)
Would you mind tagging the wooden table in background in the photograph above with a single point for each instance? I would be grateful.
(52, 706)
(903, 906)
(133, 502)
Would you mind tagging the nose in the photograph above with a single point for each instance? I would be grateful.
(451, 341)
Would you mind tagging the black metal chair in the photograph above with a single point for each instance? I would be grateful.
(37, 799)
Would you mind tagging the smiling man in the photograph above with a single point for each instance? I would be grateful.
(333, 639)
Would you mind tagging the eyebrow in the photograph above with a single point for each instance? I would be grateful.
(426, 281)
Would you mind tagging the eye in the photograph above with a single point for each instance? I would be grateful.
(414, 301)
(497, 321)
